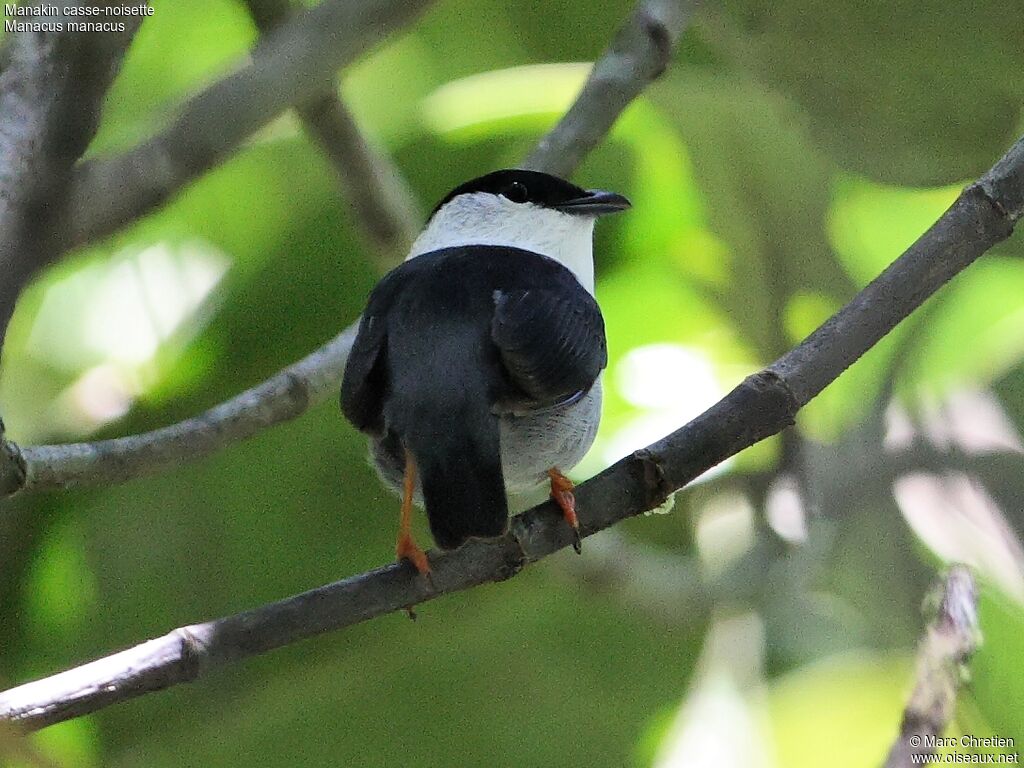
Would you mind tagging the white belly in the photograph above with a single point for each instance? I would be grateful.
(532, 444)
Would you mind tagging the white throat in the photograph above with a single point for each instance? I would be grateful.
(481, 218)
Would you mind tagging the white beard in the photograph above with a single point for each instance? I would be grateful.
(481, 218)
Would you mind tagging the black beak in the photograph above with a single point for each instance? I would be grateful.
(596, 202)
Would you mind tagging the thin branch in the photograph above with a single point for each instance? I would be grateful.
(983, 215)
(762, 405)
(639, 54)
(948, 644)
(315, 378)
(370, 182)
(384, 204)
(280, 398)
(292, 65)
(51, 91)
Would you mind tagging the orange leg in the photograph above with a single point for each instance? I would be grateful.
(561, 492)
(406, 547)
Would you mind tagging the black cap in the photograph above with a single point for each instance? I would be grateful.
(543, 189)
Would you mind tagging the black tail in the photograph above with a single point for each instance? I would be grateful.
(457, 452)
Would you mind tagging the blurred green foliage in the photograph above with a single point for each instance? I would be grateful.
(791, 153)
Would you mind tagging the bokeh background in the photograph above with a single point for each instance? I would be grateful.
(770, 619)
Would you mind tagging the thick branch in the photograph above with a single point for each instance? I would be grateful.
(290, 66)
(949, 642)
(639, 54)
(120, 459)
(370, 183)
(51, 91)
(761, 406)
(631, 486)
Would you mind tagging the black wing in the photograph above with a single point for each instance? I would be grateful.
(551, 339)
(365, 381)
(547, 330)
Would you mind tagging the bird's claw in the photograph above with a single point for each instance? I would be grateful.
(577, 542)
(562, 492)
(407, 549)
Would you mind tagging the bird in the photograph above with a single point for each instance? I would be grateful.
(475, 370)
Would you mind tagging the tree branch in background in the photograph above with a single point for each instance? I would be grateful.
(948, 644)
(292, 65)
(639, 54)
(370, 182)
(384, 204)
(280, 398)
(51, 91)
(314, 378)
(761, 406)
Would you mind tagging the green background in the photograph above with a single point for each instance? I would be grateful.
(792, 151)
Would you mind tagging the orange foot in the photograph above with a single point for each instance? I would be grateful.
(407, 549)
(561, 492)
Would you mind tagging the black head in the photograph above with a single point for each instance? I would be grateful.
(542, 189)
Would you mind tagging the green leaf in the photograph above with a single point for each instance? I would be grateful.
(909, 93)
(764, 192)
(997, 685)
(846, 707)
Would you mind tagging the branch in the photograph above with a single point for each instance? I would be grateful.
(280, 398)
(373, 186)
(12, 466)
(51, 90)
(315, 378)
(949, 642)
(761, 406)
(370, 183)
(290, 66)
(639, 54)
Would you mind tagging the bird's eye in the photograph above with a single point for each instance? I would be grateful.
(516, 192)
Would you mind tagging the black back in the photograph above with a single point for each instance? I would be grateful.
(445, 340)
(540, 334)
